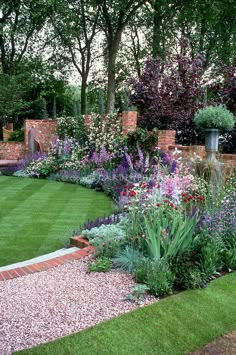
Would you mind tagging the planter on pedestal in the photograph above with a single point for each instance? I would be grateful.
(211, 143)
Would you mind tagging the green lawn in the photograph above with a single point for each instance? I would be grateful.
(177, 324)
(38, 216)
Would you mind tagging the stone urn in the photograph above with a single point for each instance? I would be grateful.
(211, 143)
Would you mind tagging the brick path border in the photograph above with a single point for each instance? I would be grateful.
(77, 241)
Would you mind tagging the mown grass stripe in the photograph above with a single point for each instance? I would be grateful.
(38, 216)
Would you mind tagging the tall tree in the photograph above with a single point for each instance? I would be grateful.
(115, 16)
(210, 27)
(75, 24)
(20, 23)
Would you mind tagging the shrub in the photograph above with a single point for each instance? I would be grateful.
(107, 246)
(229, 251)
(102, 264)
(71, 127)
(215, 117)
(40, 108)
(107, 239)
(187, 274)
(146, 140)
(140, 272)
(41, 167)
(159, 277)
(17, 136)
(91, 181)
(103, 132)
(208, 255)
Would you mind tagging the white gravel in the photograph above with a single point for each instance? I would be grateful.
(40, 307)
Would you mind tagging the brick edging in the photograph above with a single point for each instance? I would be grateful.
(79, 241)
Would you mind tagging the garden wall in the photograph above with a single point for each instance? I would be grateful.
(44, 131)
(166, 142)
(12, 150)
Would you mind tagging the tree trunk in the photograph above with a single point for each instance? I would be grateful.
(157, 48)
(113, 46)
(111, 86)
(83, 96)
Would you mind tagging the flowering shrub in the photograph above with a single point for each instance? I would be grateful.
(223, 220)
(103, 132)
(69, 126)
(41, 167)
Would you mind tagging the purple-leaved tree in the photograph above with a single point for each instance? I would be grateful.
(168, 94)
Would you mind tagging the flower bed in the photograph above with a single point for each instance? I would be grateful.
(170, 231)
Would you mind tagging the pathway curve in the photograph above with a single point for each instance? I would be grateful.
(80, 248)
(43, 306)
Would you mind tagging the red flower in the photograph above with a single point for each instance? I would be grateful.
(185, 200)
(176, 207)
(200, 198)
(166, 201)
(190, 196)
(158, 204)
(183, 195)
(132, 185)
(126, 186)
(171, 204)
(158, 186)
(123, 193)
(132, 193)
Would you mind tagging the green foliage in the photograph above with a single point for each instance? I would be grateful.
(159, 277)
(107, 246)
(102, 264)
(187, 274)
(107, 239)
(41, 167)
(208, 255)
(146, 140)
(40, 109)
(103, 132)
(12, 102)
(215, 117)
(127, 259)
(91, 181)
(72, 127)
(229, 251)
(17, 136)
(137, 293)
(168, 233)
(20, 173)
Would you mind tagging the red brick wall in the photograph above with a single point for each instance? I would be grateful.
(165, 139)
(44, 131)
(129, 122)
(12, 150)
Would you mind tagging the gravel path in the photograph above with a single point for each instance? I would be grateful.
(40, 307)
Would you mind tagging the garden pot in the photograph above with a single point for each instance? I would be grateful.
(211, 143)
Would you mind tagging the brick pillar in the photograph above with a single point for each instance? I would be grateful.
(87, 120)
(166, 138)
(129, 122)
